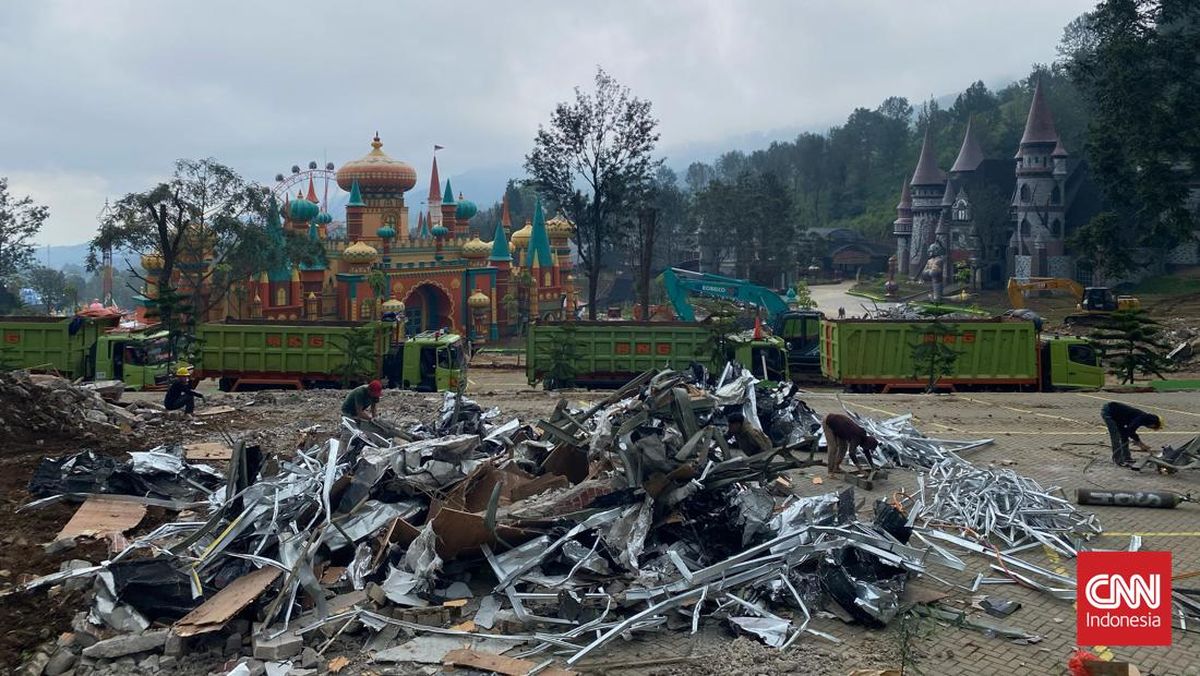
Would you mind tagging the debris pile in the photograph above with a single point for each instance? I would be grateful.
(556, 537)
(38, 404)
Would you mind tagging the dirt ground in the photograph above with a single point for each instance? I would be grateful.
(1055, 438)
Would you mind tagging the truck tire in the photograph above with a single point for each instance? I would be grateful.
(226, 384)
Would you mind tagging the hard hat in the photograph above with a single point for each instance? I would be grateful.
(375, 388)
(183, 371)
(1162, 422)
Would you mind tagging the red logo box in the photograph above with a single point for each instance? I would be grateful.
(1123, 598)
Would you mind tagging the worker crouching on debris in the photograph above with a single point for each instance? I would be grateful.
(1123, 422)
(750, 440)
(180, 394)
(843, 437)
(360, 402)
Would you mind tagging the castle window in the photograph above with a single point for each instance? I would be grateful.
(1025, 193)
(281, 297)
(1056, 227)
(1024, 226)
(1056, 196)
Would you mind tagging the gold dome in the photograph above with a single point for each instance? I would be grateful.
(377, 173)
(360, 252)
(152, 261)
(479, 300)
(520, 238)
(476, 249)
(559, 228)
(393, 305)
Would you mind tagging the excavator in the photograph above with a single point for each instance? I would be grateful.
(1093, 302)
(800, 329)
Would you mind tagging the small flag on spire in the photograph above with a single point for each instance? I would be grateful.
(436, 147)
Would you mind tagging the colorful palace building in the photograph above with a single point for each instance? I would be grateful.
(437, 273)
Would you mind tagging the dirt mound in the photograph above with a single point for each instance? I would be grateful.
(55, 407)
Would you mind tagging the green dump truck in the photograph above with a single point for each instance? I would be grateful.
(996, 354)
(85, 348)
(608, 354)
(243, 354)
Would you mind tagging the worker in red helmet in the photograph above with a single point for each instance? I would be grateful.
(360, 402)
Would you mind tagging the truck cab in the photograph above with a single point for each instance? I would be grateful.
(766, 358)
(801, 332)
(432, 361)
(1070, 363)
(138, 359)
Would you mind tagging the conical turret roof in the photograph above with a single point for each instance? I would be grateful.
(1039, 126)
(500, 246)
(435, 185)
(927, 172)
(970, 155)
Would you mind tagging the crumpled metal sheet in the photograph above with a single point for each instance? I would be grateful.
(772, 631)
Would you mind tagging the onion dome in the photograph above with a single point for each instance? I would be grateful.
(360, 253)
(520, 238)
(476, 249)
(479, 300)
(386, 231)
(393, 305)
(324, 218)
(377, 173)
(152, 261)
(301, 210)
(466, 208)
(559, 227)
(440, 230)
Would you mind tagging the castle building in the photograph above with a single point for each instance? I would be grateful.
(435, 274)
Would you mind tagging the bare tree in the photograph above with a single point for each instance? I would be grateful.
(594, 160)
(645, 235)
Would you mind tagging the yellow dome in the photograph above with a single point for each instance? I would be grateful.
(559, 227)
(360, 252)
(479, 300)
(476, 248)
(152, 261)
(393, 305)
(520, 238)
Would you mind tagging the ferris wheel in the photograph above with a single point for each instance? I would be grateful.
(321, 178)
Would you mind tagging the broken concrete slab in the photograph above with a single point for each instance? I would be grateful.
(490, 662)
(127, 644)
(279, 647)
(431, 649)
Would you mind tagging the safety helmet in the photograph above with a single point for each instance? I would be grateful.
(1162, 422)
(183, 371)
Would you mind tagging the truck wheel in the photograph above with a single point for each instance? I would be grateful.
(226, 384)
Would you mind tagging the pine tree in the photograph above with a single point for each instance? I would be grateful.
(934, 356)
(1131, 344)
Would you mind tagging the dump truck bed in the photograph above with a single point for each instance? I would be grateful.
(270, 352)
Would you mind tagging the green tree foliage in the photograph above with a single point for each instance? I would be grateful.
(721, 323)
(1135, 60)
(934, 355)
(804, 297)
(20, 221)
(205, 211)
(594, 160)
(358, 355)
(1132, 344)
(50, 284)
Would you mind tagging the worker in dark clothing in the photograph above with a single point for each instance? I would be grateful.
(843, 437)
(1123, 421)
(360, 402)
(750, 440)
(180, 394)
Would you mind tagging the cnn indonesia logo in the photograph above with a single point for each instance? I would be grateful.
(1124, 599)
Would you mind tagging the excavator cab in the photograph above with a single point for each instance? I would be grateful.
(1098, 299)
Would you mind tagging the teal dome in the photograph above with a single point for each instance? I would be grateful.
(466, 209)
(386, 232)
(302, 210)
(440, 230)
(324, 218)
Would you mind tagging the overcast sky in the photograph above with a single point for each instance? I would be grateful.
(100, 97)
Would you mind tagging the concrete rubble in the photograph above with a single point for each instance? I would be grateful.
(543, 540)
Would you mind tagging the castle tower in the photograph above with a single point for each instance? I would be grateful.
(505, 216)
(434, 199)
(354, 213)
(928, 186)
(448, 208)
(902, 229)
(501, 260)
(464, 211)
(1036, 246)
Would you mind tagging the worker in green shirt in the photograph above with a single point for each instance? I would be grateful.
(360, 402)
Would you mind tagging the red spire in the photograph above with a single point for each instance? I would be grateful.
(435, 193)
(312, 192)
(505, 217)
(1039, 126)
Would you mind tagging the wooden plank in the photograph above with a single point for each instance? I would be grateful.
(214, 410)
(98, 516)
(207, 450)
(216, 612)
(509, 666)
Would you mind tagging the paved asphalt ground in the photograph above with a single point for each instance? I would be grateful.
(1059, 440)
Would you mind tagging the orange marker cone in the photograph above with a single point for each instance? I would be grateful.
(758, 329)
